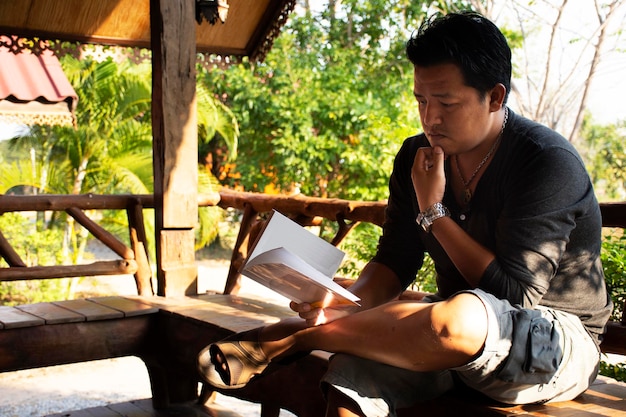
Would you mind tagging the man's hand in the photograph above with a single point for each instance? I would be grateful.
(376, 285)
(315, 316)
(428, 175)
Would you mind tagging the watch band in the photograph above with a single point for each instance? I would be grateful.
(432, 213)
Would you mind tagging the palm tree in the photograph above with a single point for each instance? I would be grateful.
(215, 121)
(110, 150)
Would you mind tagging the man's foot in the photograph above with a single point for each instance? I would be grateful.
(233, 362)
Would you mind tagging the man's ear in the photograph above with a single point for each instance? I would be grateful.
(496, 97)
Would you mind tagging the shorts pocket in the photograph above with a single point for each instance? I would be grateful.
(535, 350)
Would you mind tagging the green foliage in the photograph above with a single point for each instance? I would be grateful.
(605, 153)
(209, 218)
(605, 150)
(617, 371)
(360, 247)
(109, 152)
(614, 264)
(35, 247)
(217, 126)
(215, 121)
(113, 127)
(327, 110)
(426, 280)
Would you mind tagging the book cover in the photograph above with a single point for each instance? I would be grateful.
(297, 264)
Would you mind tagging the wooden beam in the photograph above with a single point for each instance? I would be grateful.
(74, 342)
(8, 253)
(101, 234)
(329, 208)
(179, 271)
(58, 202)
(175, 142)
(240, 251)
(613, 214)
(139, 243)
(116, 267)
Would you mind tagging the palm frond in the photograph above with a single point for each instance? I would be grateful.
(214, 116)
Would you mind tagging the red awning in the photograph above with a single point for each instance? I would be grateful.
(34, 89)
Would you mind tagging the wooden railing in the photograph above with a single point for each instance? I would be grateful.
(134, 255)
(306, 211)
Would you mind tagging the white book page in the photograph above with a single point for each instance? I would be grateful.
(288, 275)
(282, 232)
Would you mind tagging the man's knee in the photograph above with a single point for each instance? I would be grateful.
(461, 323)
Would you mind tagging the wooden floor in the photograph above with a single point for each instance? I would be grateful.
(143, 408)
(604, 398)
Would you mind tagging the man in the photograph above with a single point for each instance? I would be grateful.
(506, 210)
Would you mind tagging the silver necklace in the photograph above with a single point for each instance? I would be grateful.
(466, 196)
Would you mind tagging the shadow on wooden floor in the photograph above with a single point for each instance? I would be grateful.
(143, 408)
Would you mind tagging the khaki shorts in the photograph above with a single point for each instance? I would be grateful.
(381, 389)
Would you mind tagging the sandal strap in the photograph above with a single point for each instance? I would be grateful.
(244, 360)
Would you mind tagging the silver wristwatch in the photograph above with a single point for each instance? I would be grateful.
(432, 213)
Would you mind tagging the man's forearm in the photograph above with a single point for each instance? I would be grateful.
(376, 285)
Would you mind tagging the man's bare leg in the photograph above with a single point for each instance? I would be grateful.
(405, 334)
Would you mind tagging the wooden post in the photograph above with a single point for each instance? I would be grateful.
(175, 149)
(9, 254)
(139, 243)
(240, 251)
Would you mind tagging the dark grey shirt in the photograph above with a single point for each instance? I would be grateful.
(534, 207)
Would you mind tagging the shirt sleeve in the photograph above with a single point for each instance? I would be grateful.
(542, 209)
(400, 247)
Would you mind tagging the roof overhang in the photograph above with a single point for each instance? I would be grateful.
(34, 89)
(249, 29)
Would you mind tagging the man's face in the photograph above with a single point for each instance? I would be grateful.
(454, 116)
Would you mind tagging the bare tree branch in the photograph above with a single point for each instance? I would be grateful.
(546, 78)
(554, 78)
(603, 23)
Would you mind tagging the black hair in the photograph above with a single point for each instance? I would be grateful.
(468, 40)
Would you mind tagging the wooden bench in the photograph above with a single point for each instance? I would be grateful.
(166, 333)
(45, 334)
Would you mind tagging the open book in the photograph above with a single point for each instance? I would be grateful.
(295, 263)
